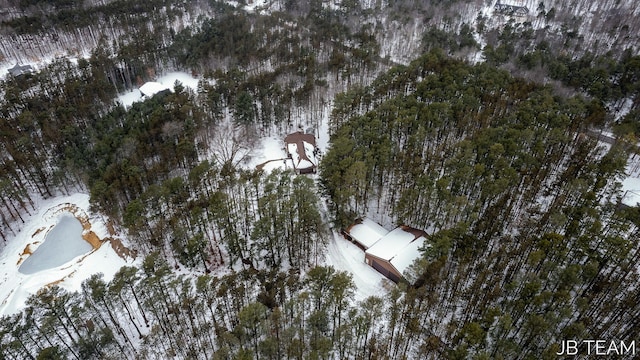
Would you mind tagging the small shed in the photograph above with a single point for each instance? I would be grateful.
(301, 149)
(20, 70)
(394, 252)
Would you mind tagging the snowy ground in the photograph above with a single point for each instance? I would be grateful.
(268, 155)
(16, 287)
(345, 256)
(630, 191)
(322, 137)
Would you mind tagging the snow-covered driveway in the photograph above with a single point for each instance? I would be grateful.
(345, 256)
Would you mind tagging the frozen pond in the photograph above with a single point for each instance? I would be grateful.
(62, 244)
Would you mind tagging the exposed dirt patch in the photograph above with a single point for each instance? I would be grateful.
(122, 251)
(88, 235)
(57, 281)
(38, 231)
(92, 238)
(27, 250)
(86, 225)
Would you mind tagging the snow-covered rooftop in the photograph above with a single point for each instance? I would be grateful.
(301, 149)
(389, 246)
(408, 254)
(151, 88)
(299, 161)
(367, 233)
(18, 70)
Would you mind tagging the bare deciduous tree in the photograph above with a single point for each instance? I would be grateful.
(230, 145)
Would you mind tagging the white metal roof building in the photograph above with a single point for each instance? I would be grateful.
(389, 252)
(366, 232)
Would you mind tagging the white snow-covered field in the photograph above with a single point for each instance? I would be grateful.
(16, 287)
(166, 81)
(269, 155)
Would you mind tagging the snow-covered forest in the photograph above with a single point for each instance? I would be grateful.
(482, 126)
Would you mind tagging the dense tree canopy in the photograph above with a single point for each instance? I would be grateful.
(528, 244)
(520, 199)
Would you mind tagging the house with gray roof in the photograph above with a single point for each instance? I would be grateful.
(20, 70)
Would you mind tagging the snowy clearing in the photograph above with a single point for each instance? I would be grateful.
(631, 191)
(268, 154)
(259, 6)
